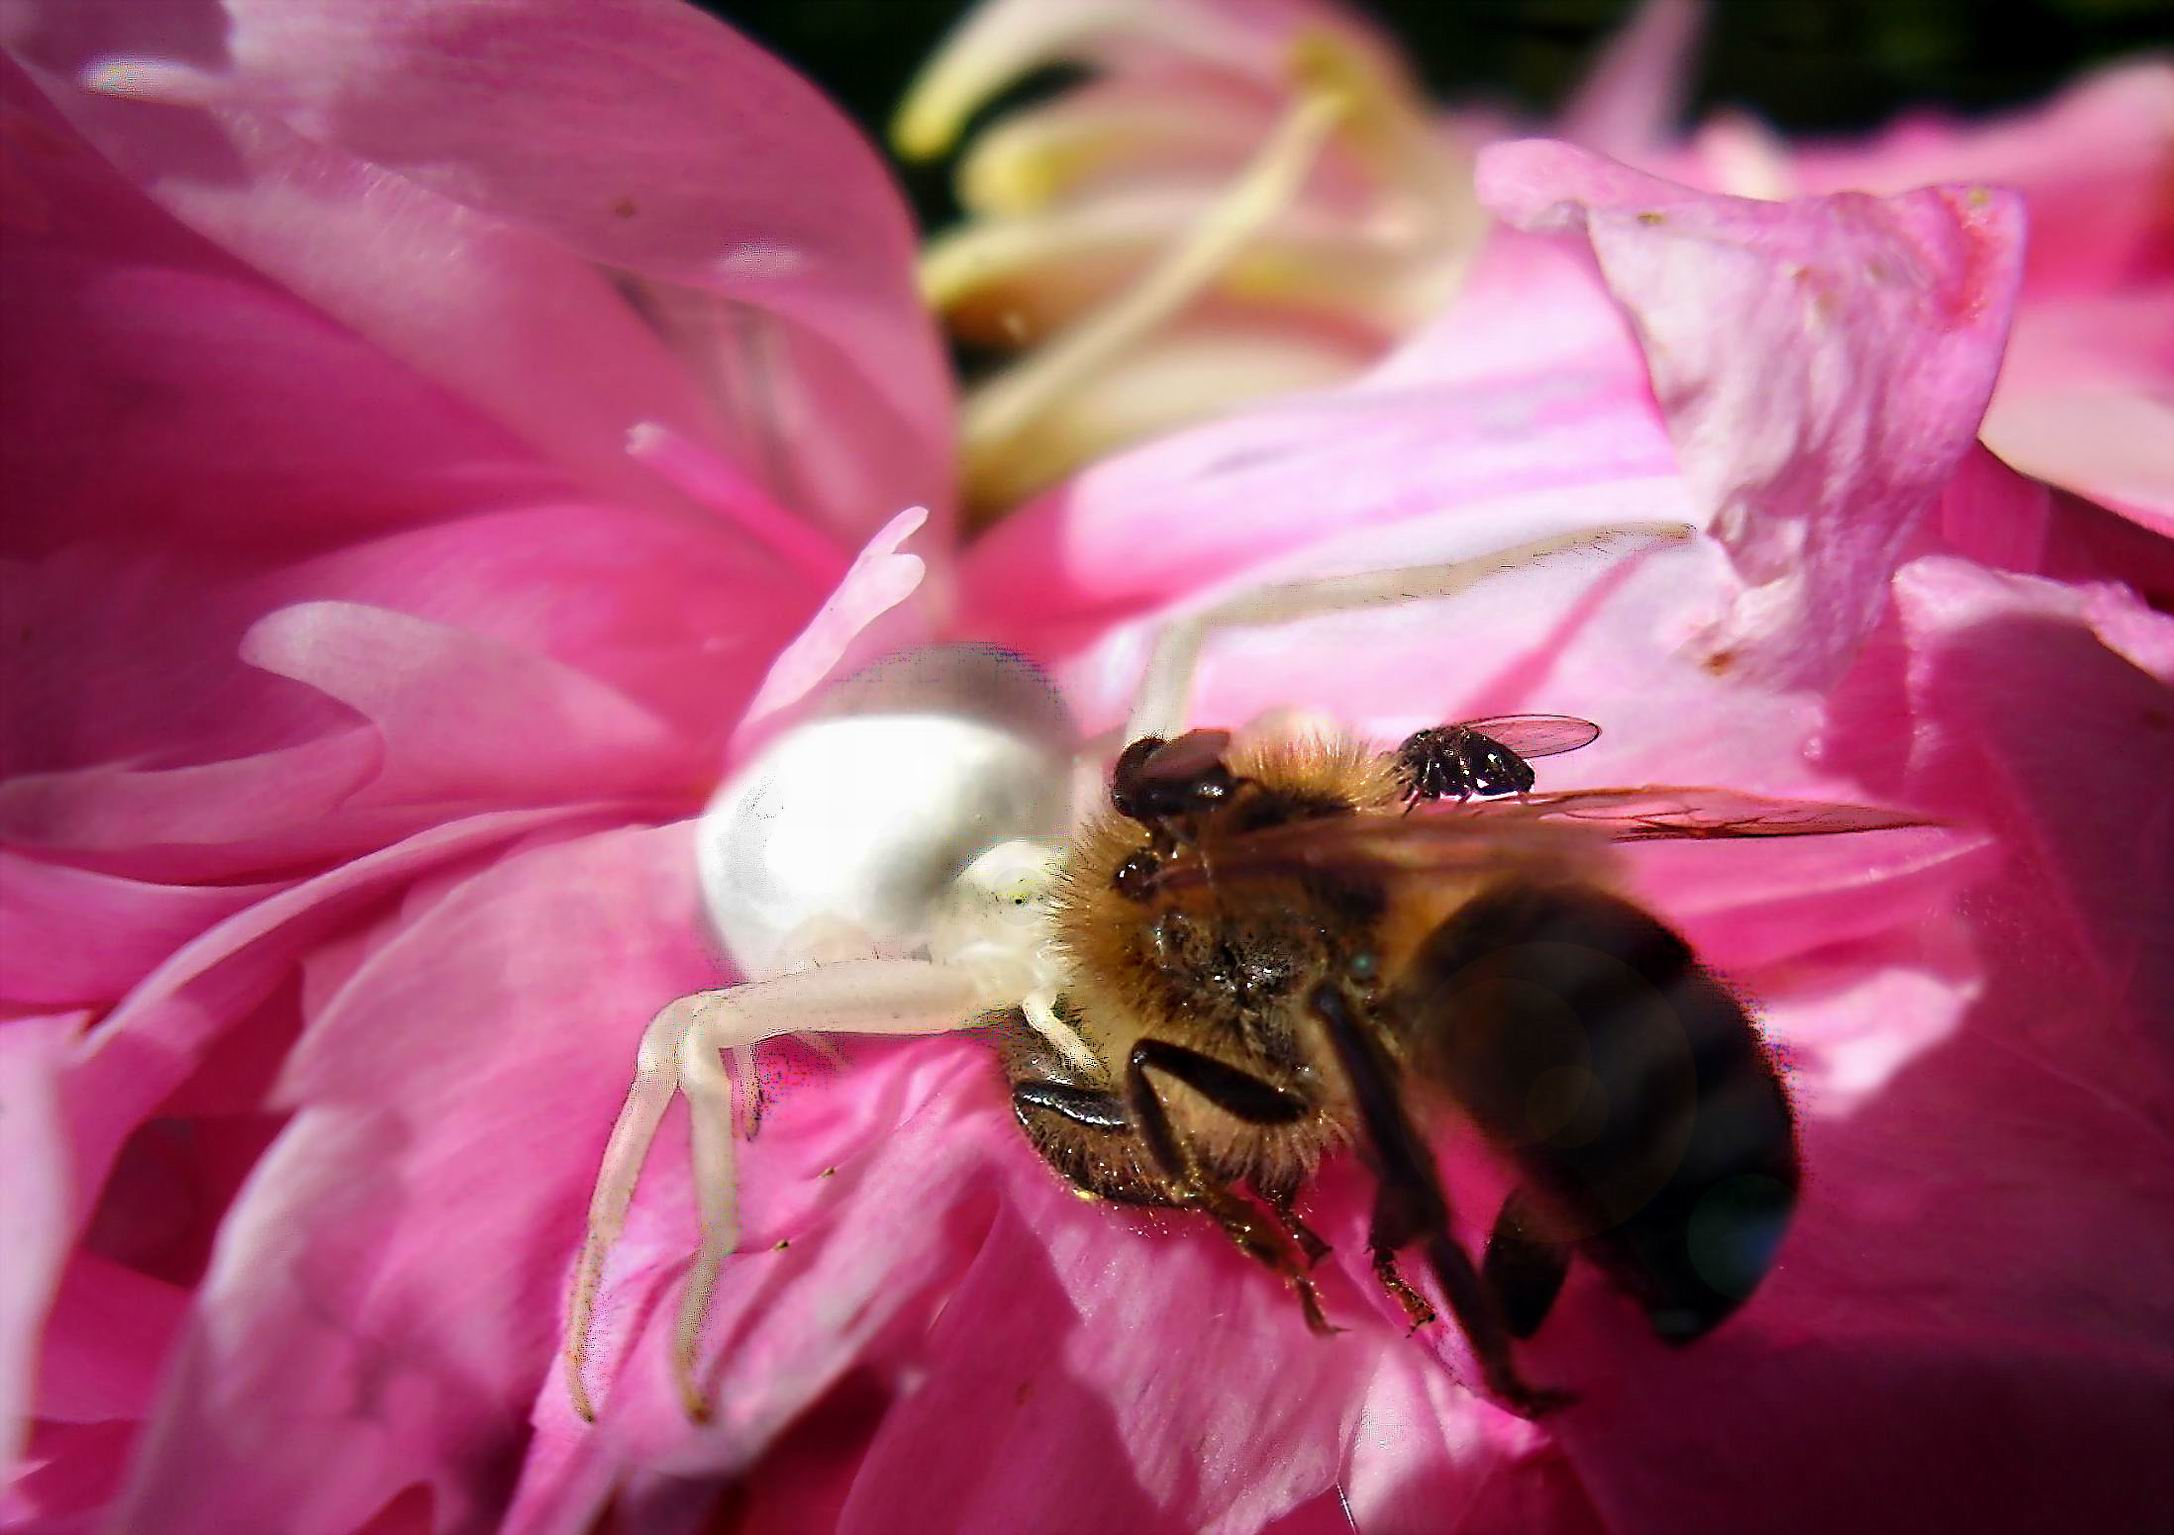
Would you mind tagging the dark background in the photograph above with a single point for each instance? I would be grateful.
(1808, 66)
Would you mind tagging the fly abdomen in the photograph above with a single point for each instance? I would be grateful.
(1628, 1084)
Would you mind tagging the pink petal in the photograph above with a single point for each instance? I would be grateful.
(147, 1047)
(1518, 456)
(354, 1335)
(879, 580)
(68, 935)
(1634, 96)
(106, 1341)
(506, 622)
(456, 294)
(1823, 365)
(2092, 165)
(33, 1208)
(721, 183)
(2083, 400)
(1229, 1413)
(1967, 1266)
(520, 725)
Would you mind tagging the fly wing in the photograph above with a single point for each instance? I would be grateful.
(1654, 812)
(1535, 735)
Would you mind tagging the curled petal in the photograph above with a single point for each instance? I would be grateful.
(1823, 365)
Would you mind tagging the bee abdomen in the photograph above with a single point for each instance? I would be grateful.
(1631, 1087)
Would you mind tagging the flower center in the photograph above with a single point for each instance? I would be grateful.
(1185, 233)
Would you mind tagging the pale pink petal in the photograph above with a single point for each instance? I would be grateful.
(33, 1207)
(2083, 397)
(2086, 400)
(1483, 1476)
(850, 623)
(1823, 366)
(520, 725)
(1632, 99)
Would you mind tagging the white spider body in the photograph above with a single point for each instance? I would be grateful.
(847, 832)
(883, 868)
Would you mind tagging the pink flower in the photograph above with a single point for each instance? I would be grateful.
(378, 814)
(422, 435)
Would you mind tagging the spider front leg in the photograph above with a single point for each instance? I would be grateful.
(680, 1050)
(1160, 706)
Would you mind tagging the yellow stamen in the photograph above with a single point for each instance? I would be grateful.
(1001, 409)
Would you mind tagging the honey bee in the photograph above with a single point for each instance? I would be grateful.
(1256, 949)
(1271, 956)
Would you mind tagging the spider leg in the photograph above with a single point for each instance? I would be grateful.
(656, 1077)
(717, 1198)
(681, 1048)
(1159, 708)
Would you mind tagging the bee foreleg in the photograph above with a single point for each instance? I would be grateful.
(1417, 1309)
(1081, 1105)
(1411, 1206)
(1243, 1096)
(1281, 1198)
(1523, 1268)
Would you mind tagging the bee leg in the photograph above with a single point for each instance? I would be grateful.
(1159, 709)
(1523, 1269)
(1411, 1206)
(1245, 1097)
(1081, 1105)
(1416, 1306)
(1281, 1198)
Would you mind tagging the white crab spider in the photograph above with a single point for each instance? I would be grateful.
(911, 899)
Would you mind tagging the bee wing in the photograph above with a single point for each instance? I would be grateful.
(1509, 834)
(1653, 812)
(1536, 735)
(1469, 846)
